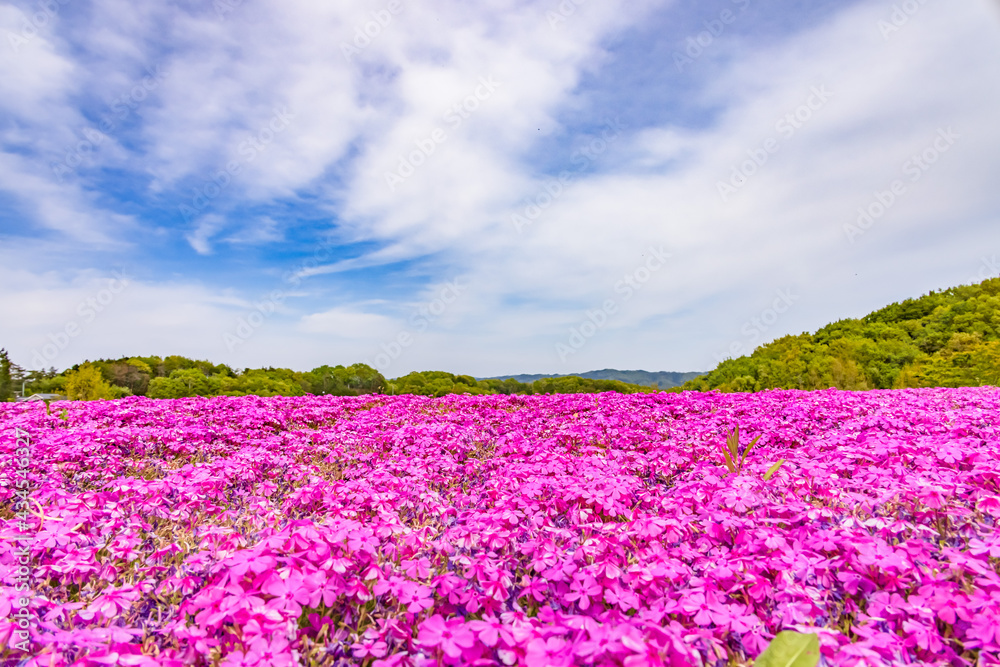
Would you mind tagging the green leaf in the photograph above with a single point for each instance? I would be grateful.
(773, 469)
(790, 649)
(729, 461)
(733, 440)
(749, 447)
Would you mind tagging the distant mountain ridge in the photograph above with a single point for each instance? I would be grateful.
(662, 379)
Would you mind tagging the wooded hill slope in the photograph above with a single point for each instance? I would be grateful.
(949, 338)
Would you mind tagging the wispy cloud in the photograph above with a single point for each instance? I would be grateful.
(264, 157)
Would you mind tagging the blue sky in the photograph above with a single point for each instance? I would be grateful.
(499, 187)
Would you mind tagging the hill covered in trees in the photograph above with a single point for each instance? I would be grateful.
(662, 379)
(949, 338)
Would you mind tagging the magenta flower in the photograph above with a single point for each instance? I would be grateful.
(572, 529)
(583, 590)
(704, 608)
(374, 648)
(490, 631)
(535, 587)
(551, 652)
(450, 636)
(273, 650)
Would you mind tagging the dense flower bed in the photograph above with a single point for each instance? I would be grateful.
(545, 530)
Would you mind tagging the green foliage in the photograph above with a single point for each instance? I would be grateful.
(202, 378)
(731, 451)
(660, 380)
(436, 383)
(506, 387)
(344, 381)
(790, 649)
(179, 377)
(943, 339)
(46, 381)
(773, 469)
(263, 382)
(440, 383)
(6, 381)
(87, 384)
(578, 385)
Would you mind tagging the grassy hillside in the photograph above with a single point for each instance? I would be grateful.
(949, 338)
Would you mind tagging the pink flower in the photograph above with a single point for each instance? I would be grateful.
(624, 598)
(703, 607)
(986, 630)
(450, 636)
(490, 631)
(643, 654)
(535, 587)
(602, 639)
(373, 648)
(584, 589)
(272, 650)
(553, 652)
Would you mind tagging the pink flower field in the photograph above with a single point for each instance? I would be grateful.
(546, 530)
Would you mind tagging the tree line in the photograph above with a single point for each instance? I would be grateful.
(181, 377)
(948, 338)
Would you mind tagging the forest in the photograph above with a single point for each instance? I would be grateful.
(948, 338)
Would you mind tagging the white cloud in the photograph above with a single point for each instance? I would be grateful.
(348, 323)
(257, 232)
(352, 122)
(204, 229)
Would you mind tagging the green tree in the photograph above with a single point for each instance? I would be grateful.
(87, 384)
(184, 383)
(161, 387)
(947, 338)
(966, 361)
(133, 374)
(6, 381)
